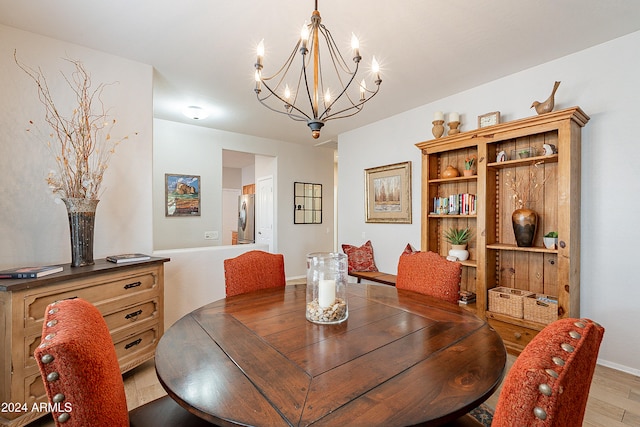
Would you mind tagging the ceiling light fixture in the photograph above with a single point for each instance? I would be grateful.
(196, 113)
(312, 83)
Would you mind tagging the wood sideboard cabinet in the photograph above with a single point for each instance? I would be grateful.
(542, 152)
(130, 296)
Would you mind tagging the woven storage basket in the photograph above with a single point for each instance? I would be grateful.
(507, 301)
(538, 308)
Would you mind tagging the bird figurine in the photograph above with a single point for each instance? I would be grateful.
(546, 106)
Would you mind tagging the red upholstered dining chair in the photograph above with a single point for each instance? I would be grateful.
(253, 270)
(80, 371)
(430, 274)
(548, 384)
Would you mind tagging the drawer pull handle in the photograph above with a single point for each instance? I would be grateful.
(132, 285)
(133, 315)
(133, 344)
(517, 335)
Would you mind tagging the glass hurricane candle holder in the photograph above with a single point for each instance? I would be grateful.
(326, 288)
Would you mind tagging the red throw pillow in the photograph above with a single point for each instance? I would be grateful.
(408, 250)
(360, 258)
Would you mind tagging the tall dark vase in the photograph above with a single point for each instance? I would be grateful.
(82, 215)
(525, 222)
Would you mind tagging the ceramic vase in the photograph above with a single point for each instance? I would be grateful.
(460, 252)
(525, 222)
(81, 214)
(450, 172)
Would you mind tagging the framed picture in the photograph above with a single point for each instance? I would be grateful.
(182, 195)
(489, 119)
(388, 193)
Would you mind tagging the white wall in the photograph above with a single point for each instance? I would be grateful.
(181, 148)
(34, 229)
(603, 81)
(204, 268)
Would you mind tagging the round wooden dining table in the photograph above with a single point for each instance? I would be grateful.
(400, 358)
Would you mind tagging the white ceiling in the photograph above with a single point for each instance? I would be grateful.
(203, 51)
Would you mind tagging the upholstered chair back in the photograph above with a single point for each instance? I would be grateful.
(253, 270)
(430, 274)
(548, 384)
(80, 368)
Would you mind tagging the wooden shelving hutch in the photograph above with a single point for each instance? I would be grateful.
(495, 259)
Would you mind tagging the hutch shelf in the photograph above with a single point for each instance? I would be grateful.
(509, 152)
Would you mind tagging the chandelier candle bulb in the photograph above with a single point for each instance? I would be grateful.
(304, 37)
(260, 53)
(355, 45)
(375, 68)
(363, 88)
(326, 293)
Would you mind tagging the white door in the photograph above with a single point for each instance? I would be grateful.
(264, 211)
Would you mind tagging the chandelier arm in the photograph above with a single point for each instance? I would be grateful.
(333, 48)
(286, 65)
(305, 118)
(291, 116)
(357, 106)
(306, 83)
(344, 90)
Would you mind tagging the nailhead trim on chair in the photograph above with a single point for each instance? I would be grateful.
(546, 389)
(54, 376)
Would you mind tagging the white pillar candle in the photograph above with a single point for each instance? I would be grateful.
(454, 117)
(326, 293)
(438, 116)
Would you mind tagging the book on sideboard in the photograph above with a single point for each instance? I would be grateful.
(30, 272)
(118, 259)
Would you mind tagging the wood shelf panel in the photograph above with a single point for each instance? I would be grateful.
(508, 247)
(524, 162)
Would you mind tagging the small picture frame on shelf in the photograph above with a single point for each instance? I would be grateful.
(489, 119)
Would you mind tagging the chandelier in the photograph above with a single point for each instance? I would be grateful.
(316, 95)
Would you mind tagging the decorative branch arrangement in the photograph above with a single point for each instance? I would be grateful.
(526, 187)
(81, 141)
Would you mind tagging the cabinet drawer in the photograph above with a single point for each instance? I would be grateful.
(137, 348)
(515, 337)
(109, 287)
(129, 317)
(132, 315)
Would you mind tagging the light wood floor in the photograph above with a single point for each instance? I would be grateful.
(614, 397)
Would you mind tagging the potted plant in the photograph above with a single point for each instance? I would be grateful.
(469, 162)
(458, 237)
(551, 240)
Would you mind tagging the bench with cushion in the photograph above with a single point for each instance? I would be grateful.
(363, 266)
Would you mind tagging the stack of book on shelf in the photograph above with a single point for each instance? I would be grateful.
(467, 297)
(118, 259)
(455, 204)
(30, 272)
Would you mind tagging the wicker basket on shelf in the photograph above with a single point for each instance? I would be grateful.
(507, 301)
(541, 308)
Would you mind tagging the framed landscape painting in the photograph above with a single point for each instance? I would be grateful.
(182, 195)
(388, 193)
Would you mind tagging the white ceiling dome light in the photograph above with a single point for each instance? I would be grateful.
(196, 113)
